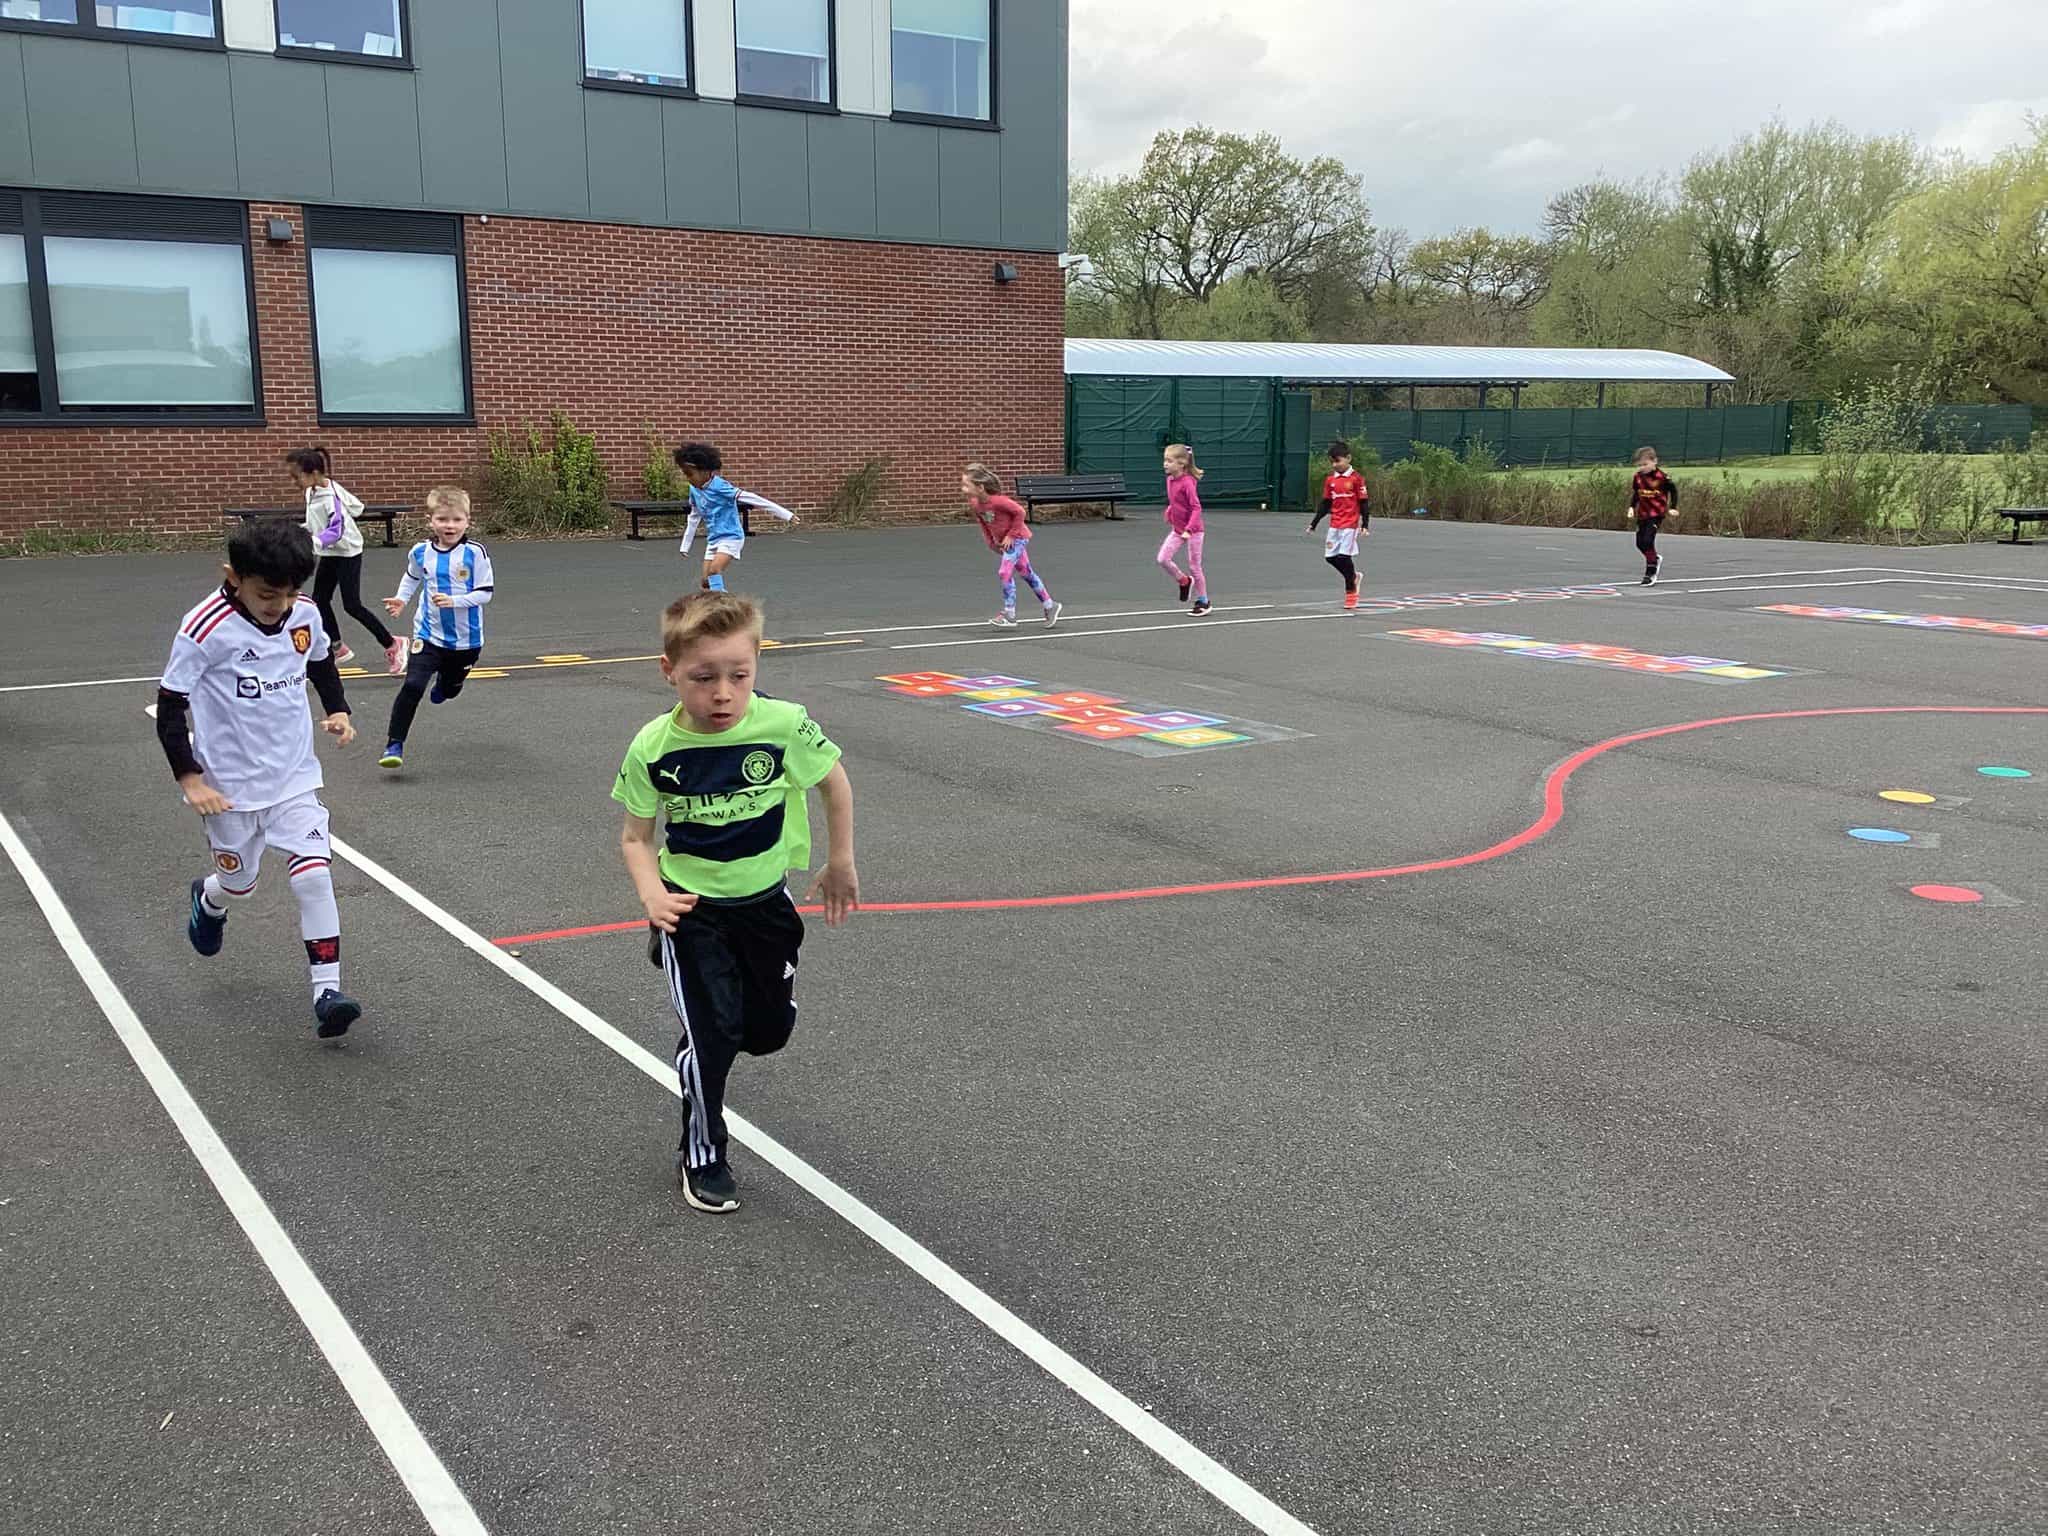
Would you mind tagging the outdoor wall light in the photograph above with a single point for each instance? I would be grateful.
(1005, 273)
(278, 231)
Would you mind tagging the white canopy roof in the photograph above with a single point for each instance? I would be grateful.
(1329, 363)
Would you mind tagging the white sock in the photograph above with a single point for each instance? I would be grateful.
(319, 921)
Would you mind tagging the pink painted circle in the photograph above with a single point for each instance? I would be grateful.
(1958, 894)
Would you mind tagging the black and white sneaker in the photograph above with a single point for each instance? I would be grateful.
(1199, 610)
(335, 1013)
(1650, 577)
(204, 927)
(709, 1189)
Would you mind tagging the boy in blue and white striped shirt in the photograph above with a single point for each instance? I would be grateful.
(452, 574)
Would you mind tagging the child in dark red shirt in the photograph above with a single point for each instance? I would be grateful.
(1002, 525)
(1652, 497)
(1348, 505)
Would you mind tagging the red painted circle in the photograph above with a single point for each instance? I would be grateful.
(1949, 893)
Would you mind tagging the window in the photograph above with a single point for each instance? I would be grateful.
(785, 50)
(643, 44)
(124, 306)
(363, 29)
(193, 22)
(942, 60)
(389, 331)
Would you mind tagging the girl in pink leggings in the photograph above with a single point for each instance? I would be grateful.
(1184, 526)
(1006, 531)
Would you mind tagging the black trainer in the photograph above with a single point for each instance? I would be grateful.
(336, 1012)
(202, 927)
(1185, 588)
(709, 1189)
(1650, 577)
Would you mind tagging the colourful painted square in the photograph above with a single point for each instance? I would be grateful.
(1082, 700)
(1088, 714)
(1103, 730)
(1744, 674)
(996, 680)
(1011, 709)
(1703, 663)
(927, 690)
(908, 679)
(991, 695)
(1173, 720)
(1196, 736)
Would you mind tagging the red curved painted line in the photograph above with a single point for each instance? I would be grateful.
(1553, 813)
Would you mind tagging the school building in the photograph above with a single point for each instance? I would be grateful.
(812, 231)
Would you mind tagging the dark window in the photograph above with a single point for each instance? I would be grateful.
(390, 335)
(784, 50)
(193, 22)
(360, 29)
(644, 43)
(942, 59)
(119, 305)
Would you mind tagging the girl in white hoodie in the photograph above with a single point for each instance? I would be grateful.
(338, 541)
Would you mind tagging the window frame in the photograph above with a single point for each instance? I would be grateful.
(830, 105)
(458, 249)
(993, 123)
(53, 412)
(88, 25)
(399, 60)
(592, 82)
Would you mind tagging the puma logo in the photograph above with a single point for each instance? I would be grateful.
(672, 774)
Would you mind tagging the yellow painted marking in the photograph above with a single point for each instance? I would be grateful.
(607, 661)
(1907, 797)
(485, 672)
(354, 671)
(566, 656)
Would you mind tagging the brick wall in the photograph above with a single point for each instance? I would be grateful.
(798, 357)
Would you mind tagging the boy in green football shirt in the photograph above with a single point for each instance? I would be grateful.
(730, 768)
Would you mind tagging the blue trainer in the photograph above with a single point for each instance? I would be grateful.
(203, 928)
(435, 695)
(394, 756)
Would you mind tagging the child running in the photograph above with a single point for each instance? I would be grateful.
(231, 714)
(1184, 526)
(715, 504)
(729, 768)
(338, 541)
(1348, 505)
(1652, 497)
(1004, 529)
(452, 573)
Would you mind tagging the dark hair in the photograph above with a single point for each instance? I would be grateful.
(308, 461)
(272, 549)
(1339, 449)
(699, 456)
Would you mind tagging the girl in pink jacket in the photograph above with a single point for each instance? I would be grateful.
(1184, 526)
(1006, 532)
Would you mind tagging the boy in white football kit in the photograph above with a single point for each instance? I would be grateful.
(231, 714)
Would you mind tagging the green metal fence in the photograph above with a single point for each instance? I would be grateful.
(1121, 424)
(1567, 437)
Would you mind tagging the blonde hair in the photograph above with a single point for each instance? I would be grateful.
(453, 497)
(707, 616)
(1646, 452)
(986, 480)
(1183, 455)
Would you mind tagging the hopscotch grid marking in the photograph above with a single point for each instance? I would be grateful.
(1208, 1474)
(440, 1500)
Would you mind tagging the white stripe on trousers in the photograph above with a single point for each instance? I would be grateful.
(696, 1114)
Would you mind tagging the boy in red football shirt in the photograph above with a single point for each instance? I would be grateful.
(1348, 505)
(1652, 497)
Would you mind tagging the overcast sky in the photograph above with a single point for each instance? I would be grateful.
(1475, 111)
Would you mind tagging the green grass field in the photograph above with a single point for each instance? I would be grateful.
(1728, 476)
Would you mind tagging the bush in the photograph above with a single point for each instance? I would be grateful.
(860, 490)
(539, 483)
(660, 480)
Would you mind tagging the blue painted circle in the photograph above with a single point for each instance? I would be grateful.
(1879, 835)
(2005, 773)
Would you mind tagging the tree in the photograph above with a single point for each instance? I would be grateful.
(1492, 280)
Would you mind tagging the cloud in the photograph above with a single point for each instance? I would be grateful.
(1987, 127)
(1900, 16)
(1528, 153)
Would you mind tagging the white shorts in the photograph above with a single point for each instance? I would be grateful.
(296, 828)
(1340, 541)
(731, 547)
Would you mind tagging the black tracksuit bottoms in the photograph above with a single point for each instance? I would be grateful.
(732, 976)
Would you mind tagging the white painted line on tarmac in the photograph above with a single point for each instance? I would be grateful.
(1869, 581)
(91, 682)
(1042, 633)
(446, 1510)
(1849, 570)
(1210, 1475)
(1126, 613)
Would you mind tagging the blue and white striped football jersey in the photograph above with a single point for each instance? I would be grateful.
(463, 574)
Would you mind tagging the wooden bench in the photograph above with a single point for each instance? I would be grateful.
(388, 514)
(2021, 515)
(1037, 491)
(652, 511)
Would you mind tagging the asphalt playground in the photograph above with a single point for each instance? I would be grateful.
(1489, 1090)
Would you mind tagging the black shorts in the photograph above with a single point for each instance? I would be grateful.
(738, 966)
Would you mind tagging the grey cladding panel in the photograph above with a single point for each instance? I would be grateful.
(373, 117)
(281, 128)
(540, 63)
(907, 180)
(461, 108)
(701, 141)
(81, 129)
(184, 120)
(14, 159)
(1034, 167)
(774, 169)
(970, 187)
(842, 175)
(626, 175)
